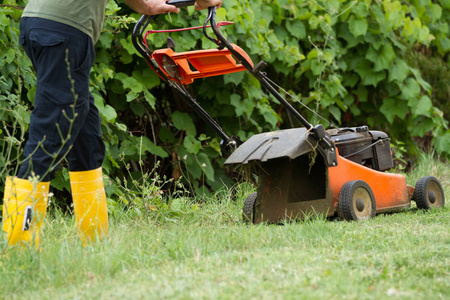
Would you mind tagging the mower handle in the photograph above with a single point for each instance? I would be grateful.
(325, 145)
(181, 3)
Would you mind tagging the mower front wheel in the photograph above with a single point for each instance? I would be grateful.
(248, 211)
(428, 193)
(356, 201)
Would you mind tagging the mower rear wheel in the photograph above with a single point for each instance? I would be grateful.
(428, 193)
(248, 212)
(356, 201)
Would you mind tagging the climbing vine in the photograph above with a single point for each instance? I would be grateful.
(348, 60)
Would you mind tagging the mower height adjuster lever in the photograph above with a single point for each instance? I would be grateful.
(232, 144)
(260, 66)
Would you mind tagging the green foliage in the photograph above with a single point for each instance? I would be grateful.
(348, 60)
(16, 89)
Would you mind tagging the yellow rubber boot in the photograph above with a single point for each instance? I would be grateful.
(24, 210)
(89, 203)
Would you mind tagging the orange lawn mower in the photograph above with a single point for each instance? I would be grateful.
(301, 171)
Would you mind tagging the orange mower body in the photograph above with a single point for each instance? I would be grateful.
(294, 181)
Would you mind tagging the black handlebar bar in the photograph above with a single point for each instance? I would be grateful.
(181, 3)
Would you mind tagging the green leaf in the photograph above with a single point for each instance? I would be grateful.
(191, 144)
(360, 10)
(4, 21)
(182, 121)
(399, 71)
(296, 28)
(445, 44)
(147, 77)
(368, 75)
(137, 108)
(357, 26)
(106, 39)
(149, 146)
(410, 89)
(128, 45)
(394, 13)
(316, 67)
(150, 98)
(442, 143)
(121, 126)
(214, 144)
(435, 12)
(131, 84)
(350, 79)
(421, 107)
(382, 58)
(246, 106)
(9, 55)
(271, 118)
(314, 22)
(108, 112)
(393, 107)
(425, 85)
(374, 40)
(355, 110)
(235, 78)
(385, 25)
(344, 33)
(421, 128)
(385, 57)
(372, 54)
(129, 146)
(335, 111)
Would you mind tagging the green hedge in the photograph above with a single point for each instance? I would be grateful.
(354, 62)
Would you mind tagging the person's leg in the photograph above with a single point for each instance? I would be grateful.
(60, 110)
(88, 149)
(62, 99)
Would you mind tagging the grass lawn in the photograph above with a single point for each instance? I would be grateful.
(208, 253)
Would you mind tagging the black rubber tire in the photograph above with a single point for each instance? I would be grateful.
(428, 193)
(356, 201)
(248, 211)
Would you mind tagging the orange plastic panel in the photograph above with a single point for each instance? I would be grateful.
(390, 190)
(201, 63)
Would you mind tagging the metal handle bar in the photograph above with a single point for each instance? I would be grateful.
(181, 3)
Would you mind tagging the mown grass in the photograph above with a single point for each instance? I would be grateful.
(209, 253)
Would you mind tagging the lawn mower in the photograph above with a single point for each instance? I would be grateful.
(301, 171)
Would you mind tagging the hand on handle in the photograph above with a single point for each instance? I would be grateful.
(151, 7)
(199, 4)
(203, 4)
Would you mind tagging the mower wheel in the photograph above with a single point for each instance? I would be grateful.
(248, 211)
(356, 201)
(428, 193)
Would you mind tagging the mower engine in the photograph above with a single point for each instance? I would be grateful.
(363, 146)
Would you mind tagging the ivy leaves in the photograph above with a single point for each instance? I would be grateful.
(345, 58)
